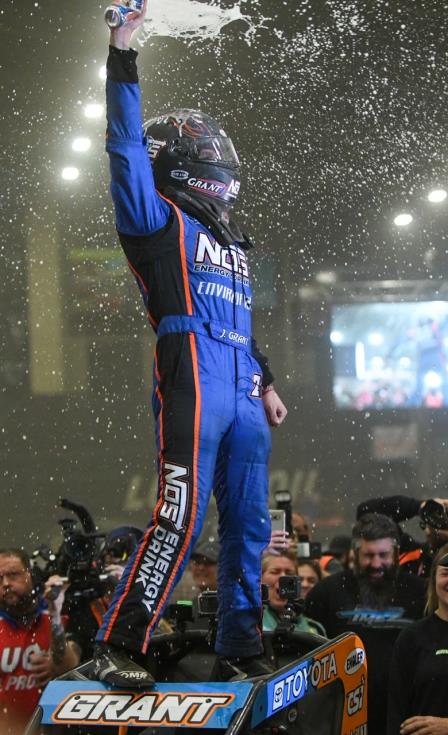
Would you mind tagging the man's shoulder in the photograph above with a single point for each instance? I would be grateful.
(410, 581)
(338, 581)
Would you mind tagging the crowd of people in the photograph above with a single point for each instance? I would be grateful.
(380, 583)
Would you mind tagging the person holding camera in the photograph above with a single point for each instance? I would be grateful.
(418, 703)
(415, 557)
(273, 568)
(173, 190)
(33, 646)
(375, 599)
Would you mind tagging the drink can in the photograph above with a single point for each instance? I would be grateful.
(115, 15)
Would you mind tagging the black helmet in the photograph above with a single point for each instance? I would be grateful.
(190, 151)
(121, 541)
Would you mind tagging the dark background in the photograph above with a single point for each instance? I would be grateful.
(338, 111)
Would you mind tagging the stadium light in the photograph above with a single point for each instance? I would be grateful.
(93, 110)
(437, 195)
(70, 173)
(403, 219)
(376, 339)
(81, 145)
(336, 337)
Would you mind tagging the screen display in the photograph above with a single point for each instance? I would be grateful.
(390, 355)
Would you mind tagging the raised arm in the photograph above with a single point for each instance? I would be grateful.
(138, 207)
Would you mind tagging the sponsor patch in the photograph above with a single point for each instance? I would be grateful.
(179, 174)
(231, 260)
(256, 391)
(154, 147)
(146, 709)
(355, 699)
(354, 661)
(297, 682)
(208, 185)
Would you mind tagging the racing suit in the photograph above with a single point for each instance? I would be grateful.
(211, 428)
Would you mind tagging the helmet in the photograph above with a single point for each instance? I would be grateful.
(121, 541)
(190, 151)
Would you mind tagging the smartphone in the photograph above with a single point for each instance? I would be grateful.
(278, 519)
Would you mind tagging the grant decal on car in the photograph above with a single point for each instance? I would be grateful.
(180, 705)
(149, 709)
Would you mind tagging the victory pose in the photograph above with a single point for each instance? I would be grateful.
(173, 188)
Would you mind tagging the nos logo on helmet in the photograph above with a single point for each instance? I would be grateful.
(154, 147)
(234, 187)
(179, 175)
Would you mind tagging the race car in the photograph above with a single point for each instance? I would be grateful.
(319, 687)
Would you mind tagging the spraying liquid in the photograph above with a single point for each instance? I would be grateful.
(193, 20)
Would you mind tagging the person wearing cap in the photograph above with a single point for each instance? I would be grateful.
(201, 574)
(418, 702)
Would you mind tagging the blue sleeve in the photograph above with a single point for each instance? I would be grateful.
(139, 209)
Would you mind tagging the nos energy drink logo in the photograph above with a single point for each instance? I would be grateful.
(305, 677)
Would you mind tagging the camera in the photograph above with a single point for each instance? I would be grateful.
(307, 549)
(283, 502)
(208, 604)
(78, 559)
(434, 514)
(289, 588)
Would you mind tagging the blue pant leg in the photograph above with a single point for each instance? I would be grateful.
(242, 489)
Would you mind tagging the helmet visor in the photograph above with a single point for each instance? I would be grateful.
(211, 149)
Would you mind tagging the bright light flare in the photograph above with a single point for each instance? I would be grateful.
(336, 337)
(70, 173)
(403, 219)
(93, 110)
(81, 145)
(432, 380)
(437, 195)
(102, 73)
(376, 339)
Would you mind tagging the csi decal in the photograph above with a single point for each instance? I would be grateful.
(257, 389)
(147, 709)
(355, 699)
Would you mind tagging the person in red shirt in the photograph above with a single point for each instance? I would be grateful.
(33, 648)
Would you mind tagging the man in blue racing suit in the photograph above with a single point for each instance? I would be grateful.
(213, 394)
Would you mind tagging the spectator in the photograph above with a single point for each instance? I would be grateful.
(33, 647)
(201, 573)
(204, 567)
(339, 555)
(415, 556)
(309, 573)
(274, 567)
(300, 525)
(418, 703)
(371, 600)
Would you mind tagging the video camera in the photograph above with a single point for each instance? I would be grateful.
(434, 514)
(78, 559)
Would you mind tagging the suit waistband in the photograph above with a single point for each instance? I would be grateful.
(220, 331)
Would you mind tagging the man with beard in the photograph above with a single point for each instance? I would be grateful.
(374, 600)
(33, 648)
(415, 556)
